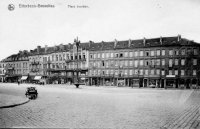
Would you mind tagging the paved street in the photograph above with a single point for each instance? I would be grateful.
(102, 107)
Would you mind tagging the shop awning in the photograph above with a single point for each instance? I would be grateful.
(24, 77)
(170, 76)
(37, 77)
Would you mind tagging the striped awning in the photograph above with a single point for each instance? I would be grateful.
(24, 77)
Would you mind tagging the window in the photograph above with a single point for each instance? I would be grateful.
(194, 73)
(146, 72)
(111, 55)
(136, 53)
(163, 72)
(158, 52)
(176, 52)
(141, 62)
(170, 62)
(182, 72)
(95, 56)
(98, 55)
(147, 63)
(147, 53)
(158, 62)
(152, 71)
(103, 63)
(136, 63)
(91, 56)
(195, 51)
(141, 53)
(126, 54)
(103, 55)
(170, 72)
(182, 61)
(121, 55)
(152, 53)
(157, 71)
(141, 72)
(116, 55)
(131, 54)
(131, 63)
(176, 61)
(171, 52)
(126, 63)
(107, 55)
(153, 63)
(136, 71)
(194, 61)
(163, 62)
(176, 72)
(163, 52)
(131, 72)
(182, 51)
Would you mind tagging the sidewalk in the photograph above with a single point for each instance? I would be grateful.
(7, 101)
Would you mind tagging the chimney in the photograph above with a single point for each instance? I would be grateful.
(61, 46)
(144, 41)
(90, 42)
(45, 48)
(129, 42)
(38, 49)
(161, 40)
(179, 37)
(115, 42)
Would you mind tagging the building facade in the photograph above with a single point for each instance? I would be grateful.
(161, 62)
(2, 71)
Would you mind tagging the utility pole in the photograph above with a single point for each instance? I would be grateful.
(77, 43)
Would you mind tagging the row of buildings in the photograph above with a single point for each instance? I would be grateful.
(158, 62)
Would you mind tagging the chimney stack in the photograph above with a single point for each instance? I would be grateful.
(179, 37)
(144, 41)
(129, 42)
(115, 42)
(161, 40)
(38, 49)
(45, 48)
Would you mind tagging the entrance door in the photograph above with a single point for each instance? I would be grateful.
(162, 83)
(188, 84)
(145, 82)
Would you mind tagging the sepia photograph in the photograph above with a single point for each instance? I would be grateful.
(100, 64)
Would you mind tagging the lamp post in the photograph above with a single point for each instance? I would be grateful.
(77, 43)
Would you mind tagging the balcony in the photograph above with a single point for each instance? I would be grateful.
(35, 70)
(35, 63)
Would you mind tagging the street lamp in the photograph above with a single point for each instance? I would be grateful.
(77, 43)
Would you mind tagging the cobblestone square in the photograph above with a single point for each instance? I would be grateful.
(102, 107)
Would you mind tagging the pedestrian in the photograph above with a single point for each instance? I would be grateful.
(18, 82)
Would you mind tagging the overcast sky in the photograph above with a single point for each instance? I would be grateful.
(104, 20)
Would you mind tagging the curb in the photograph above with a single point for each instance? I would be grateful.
(14, 105)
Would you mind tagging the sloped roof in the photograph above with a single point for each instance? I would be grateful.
(108, 45)
(122, 45)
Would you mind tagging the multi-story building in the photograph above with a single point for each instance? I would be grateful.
(160, 62)
(17, 66)
(2, 71)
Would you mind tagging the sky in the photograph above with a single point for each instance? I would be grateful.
(103, 20)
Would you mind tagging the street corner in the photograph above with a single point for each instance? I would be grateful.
(8, 101)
